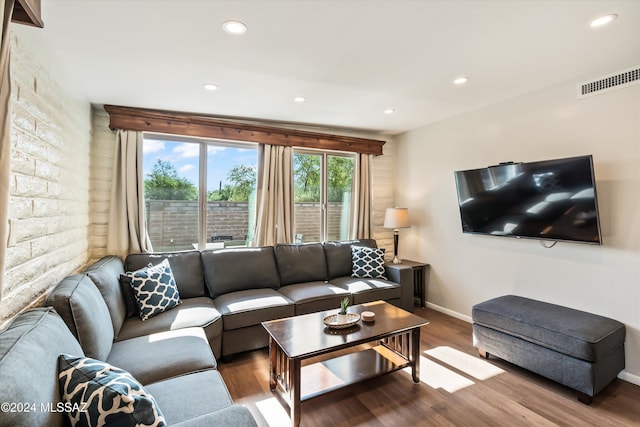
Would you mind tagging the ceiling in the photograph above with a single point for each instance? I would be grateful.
(350, 59)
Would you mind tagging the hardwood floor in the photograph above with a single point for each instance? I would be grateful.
(458, 388)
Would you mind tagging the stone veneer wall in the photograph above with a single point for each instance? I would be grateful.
(49, 189)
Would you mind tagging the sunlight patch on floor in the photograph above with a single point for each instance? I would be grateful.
(474, 366)
(273, 412)
(437, 376)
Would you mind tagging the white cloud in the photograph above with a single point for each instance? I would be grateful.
(152, 146)
(185, 168)
(212, 149)
(187, 150)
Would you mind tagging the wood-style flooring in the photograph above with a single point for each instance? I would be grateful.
(458, 388)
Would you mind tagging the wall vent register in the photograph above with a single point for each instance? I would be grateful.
(609, 82)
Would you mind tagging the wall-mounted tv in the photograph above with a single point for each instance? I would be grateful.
(546, 200)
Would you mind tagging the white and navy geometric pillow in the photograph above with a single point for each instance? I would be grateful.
(367, 262)
(99, 394)
(155, 289)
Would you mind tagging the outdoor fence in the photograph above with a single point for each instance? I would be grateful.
(173, 224)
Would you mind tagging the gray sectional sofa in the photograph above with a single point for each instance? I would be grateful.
(225, 295)
(230, 292)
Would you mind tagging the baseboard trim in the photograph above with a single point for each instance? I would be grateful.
(623, 375)
(626, 376)
(449, 312)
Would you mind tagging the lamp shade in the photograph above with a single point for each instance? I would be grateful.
(396, 218)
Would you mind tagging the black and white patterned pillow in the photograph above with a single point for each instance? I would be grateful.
(155, 289)
(100, 394)
(367, 262)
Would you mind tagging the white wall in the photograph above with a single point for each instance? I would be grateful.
(550, 123)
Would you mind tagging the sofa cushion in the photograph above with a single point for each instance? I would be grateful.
(314, 296)
(367, 290)
(300, 263)
(101, 394)
(186, 267)
(338, 256)
(155, 289)
(29, 350)
(163, 355)
(193, 312)
(80, 304)
(105, 274)
(188, 396)
(252, 307)
(367, 262)
(238, 269)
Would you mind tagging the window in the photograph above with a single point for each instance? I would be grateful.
(198, 193)
(323, 185)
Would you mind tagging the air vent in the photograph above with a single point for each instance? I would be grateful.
(618, 80)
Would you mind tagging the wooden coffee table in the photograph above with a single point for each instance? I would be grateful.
(394, 344)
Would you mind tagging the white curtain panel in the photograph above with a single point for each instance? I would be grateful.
(274, 217)
(127, 226)
(361, 218)
(5, 133)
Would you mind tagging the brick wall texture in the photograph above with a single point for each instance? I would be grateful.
(49, 183)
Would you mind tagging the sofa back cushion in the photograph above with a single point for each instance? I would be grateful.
(186, 268)
(238, 269)
(300, 263)
(338, 255)
(29, 350)
(105, 274)
(81, 306)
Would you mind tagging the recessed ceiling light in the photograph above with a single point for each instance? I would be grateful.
(210, 86)
(234, 27)
(389, 111)
(299, 99)
(461, 80)
(603, 20)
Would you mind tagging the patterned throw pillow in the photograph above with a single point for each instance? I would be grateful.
(155, 289)
(367, 262)
(98, 394)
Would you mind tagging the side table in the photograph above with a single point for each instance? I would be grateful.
(420, 278)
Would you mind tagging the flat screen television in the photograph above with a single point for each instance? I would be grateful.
(546, 200)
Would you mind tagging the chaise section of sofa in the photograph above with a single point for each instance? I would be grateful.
(29, 351)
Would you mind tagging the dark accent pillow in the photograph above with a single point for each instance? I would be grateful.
(98, 393)
(129, 296)
(367, 262)
(155, 289)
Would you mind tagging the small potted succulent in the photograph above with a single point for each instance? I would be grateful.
(342, 315)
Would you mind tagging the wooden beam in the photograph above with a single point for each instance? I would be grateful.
(189, 124)
(27, 12)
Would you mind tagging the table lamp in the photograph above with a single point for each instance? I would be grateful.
(396, 218)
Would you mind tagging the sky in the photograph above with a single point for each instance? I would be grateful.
(185, 158)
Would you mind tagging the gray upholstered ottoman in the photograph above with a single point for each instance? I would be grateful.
(581, 350)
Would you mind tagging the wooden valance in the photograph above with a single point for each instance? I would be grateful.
(189, 124)
(27, 12)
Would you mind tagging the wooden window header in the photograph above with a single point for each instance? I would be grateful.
(189, 124)
(27, 12)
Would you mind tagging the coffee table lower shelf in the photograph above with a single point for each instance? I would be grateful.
(394, 352)
(342, 371)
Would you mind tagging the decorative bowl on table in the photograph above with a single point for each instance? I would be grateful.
(337, 321)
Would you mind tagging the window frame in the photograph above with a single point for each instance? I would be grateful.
(324, 184)
(204, 143)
